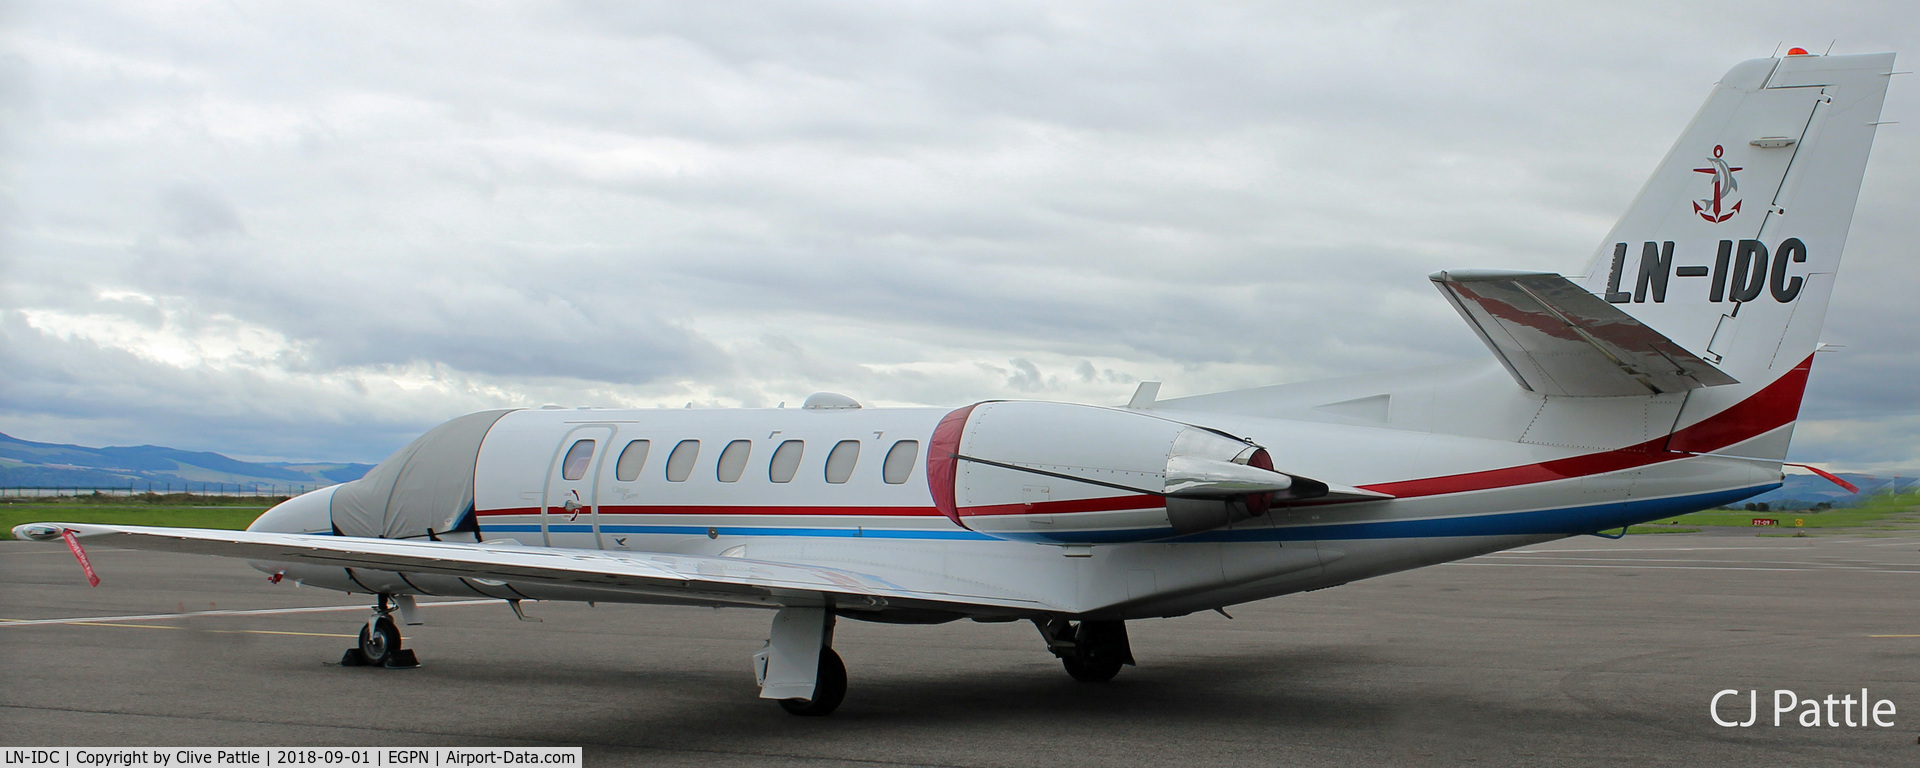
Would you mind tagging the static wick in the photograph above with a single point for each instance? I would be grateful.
(93, 579)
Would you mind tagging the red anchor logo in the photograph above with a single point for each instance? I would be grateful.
(1723, 188)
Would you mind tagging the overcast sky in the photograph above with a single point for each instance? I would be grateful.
(313, 230)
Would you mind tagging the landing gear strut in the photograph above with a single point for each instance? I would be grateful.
(380, 640)
(1092, 651)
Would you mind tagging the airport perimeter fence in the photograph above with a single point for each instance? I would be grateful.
(158, 489)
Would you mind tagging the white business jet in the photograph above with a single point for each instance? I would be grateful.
(1665, 380)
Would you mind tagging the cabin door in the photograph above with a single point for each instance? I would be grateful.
(569, 516)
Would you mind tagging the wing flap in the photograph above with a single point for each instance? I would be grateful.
(720, 579)
(1558, 339)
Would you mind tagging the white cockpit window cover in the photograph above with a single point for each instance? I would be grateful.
(425, 487)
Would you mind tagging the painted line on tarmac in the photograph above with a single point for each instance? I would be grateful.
(1685, 567)
(1813, 565)
(1526, 556)
(1893, 635)
(194, 614)
(214, 631)
(1645, 549)
(1795, 565)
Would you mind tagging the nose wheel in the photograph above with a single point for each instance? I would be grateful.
(380, 642)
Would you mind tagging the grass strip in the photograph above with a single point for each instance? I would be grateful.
(1877, 510)
(232, 518)
(1659, 529)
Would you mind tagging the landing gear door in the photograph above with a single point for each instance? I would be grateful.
(569, 516)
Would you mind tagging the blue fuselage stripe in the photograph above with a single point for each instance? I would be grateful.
(1561, 521)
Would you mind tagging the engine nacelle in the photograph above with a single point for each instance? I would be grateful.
(1076, 474)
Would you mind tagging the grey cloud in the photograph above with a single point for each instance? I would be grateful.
(98, 396)
(1025, 376)
(195, 211)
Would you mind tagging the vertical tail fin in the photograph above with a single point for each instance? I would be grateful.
(1732, 246)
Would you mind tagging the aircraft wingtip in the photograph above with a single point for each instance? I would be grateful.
(36, 531)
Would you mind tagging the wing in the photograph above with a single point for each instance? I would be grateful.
(717, 580)
(1557, 339)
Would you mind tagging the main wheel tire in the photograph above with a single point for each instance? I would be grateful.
(1091, 670)
(380, 644)
(829, 688)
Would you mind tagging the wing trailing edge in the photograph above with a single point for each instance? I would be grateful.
(1558, 339)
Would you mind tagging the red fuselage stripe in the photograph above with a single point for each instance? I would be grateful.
(1774, 406)
(610, 509)
(1060, 507)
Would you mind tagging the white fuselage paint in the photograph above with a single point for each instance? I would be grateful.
(893, 529)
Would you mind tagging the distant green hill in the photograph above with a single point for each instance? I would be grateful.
(1802, 491)
(24, 463)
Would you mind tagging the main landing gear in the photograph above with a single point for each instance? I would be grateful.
(798, 667)
(380, 637)
(830, 688)
(1092, 651)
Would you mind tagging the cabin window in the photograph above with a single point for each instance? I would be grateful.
(632, 459)
(899, 464)
(574, 466)
(786, 461)
(733, 460)
(680, 462)
(841, 459)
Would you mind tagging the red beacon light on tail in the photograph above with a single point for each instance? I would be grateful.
(1798, 52)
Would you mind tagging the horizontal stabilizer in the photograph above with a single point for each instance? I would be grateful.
(1558, 339)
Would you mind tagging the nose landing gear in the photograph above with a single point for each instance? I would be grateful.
(380, 639)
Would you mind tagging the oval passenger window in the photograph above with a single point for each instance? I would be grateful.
(733, 461)
(680, 462)
(786, 461)
(841, 459)
(899, 464)
(632, 459)
(574, 466)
